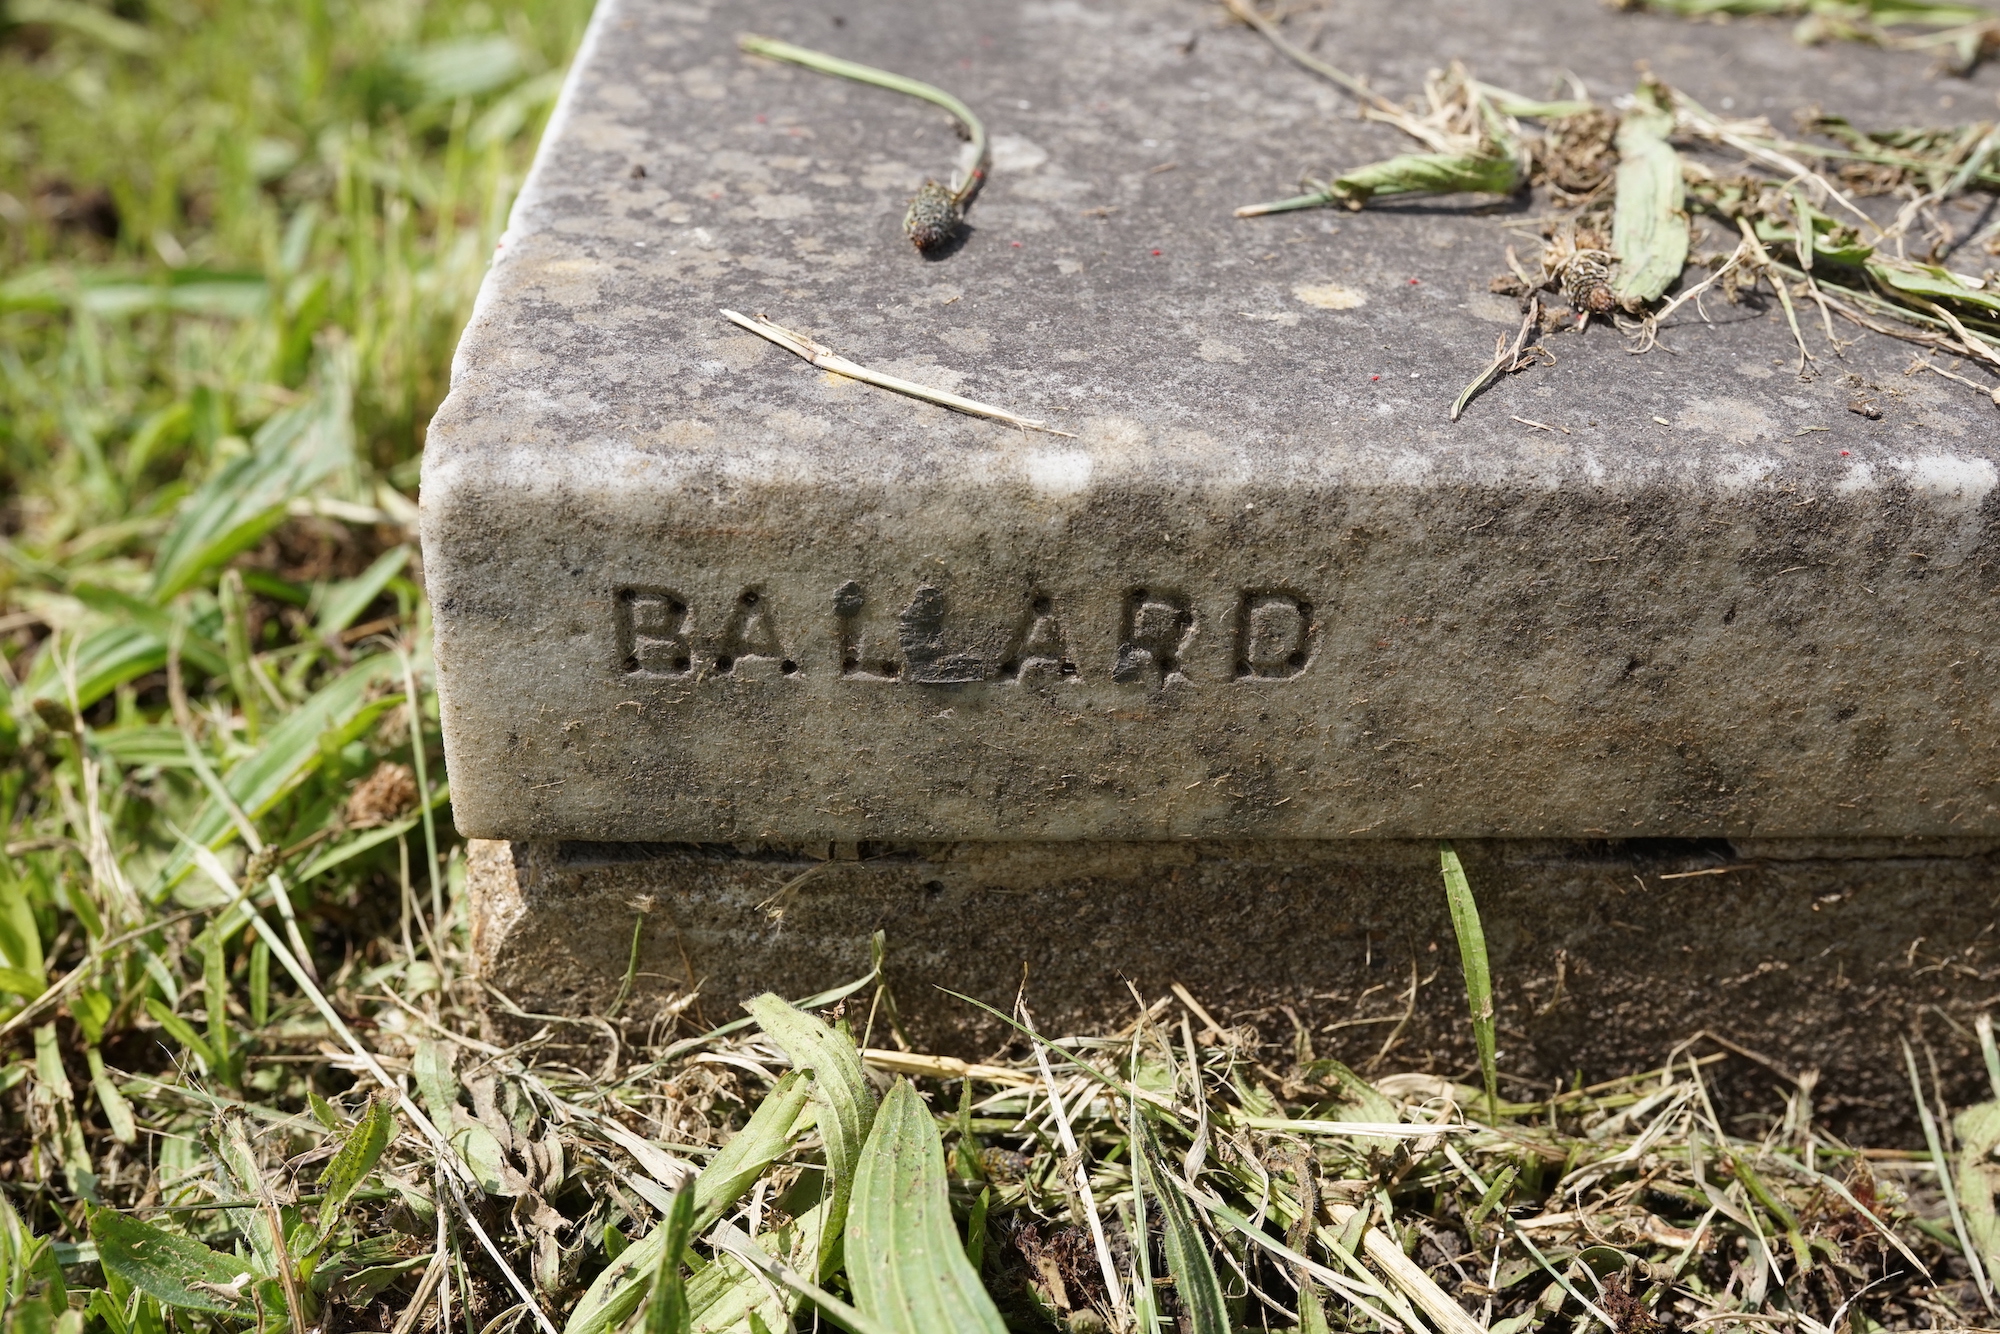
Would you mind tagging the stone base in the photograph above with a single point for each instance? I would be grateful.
(1605, 955)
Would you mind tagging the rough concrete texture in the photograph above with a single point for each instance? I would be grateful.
(689, 588)
(1605, 955)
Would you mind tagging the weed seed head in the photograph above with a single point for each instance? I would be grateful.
(933, 217)
(1586, 282)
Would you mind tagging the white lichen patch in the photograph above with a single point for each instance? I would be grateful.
(1737, 420)
(1330, 296)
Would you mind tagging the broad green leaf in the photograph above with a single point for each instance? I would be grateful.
(357, 1157)
(1431, 173)
(230, 1143)
(773, 1127)
(1649, 225)
(462, 67)
(1312, 1315)
(1978, 1176)
(1205, 1309)
(1478, 971)
(483, 1154)
(436, 1084)
(841, 1090)
(905, 1261)
(215, 991)
(294, 450)
(289, 752)
(667, 1304)
(172, 1269)
(323, 1112)
(1497, 172)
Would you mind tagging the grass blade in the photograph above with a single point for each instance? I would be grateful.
(334, 715)
(904, 1257)
(347, 599)
(293, 451)
(1478, 972)
(667, 1304)
(1202, 1303)
(1983, 1025)
(1945, 1184)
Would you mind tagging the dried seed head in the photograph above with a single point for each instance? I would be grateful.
(933, 217)
(1586, 282)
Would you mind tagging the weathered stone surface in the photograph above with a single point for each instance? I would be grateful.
(1606, 955)
(689, 588)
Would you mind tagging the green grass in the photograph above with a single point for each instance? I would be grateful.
(243, 1079)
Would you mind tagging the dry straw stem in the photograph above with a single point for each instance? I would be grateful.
(827, 360)
(1421, 1288)
(1504, 359)
(1246, 12)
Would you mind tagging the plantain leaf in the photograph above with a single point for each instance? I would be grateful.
(436, 1084)
(1649, 225)
(172, 1269)
(357, 1157)
(905, 1261)
(616, 1293)
(20, 936)
(1200, 1291)
(1978, 1176)
(1928, 282)
(840, 1088)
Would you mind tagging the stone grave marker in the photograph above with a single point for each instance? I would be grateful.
(1693, 659)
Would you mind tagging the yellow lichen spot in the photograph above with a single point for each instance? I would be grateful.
(1329, 296)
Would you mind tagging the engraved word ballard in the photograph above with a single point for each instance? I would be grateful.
(1273, 637)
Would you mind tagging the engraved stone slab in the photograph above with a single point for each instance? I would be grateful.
(689, 588)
